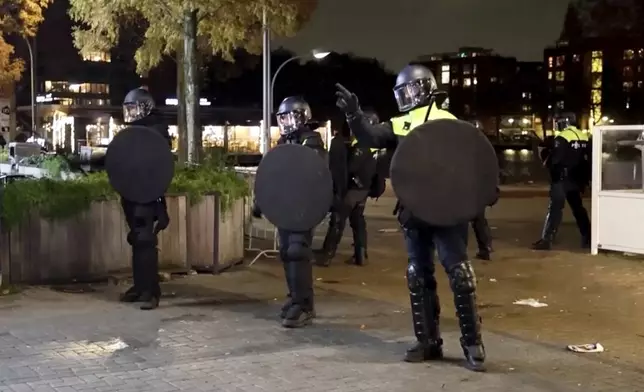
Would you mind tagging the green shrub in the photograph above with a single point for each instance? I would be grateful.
(55, 198)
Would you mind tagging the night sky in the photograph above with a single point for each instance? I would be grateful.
(396, 31)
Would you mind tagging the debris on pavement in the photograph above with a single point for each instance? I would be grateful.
(586, 348)
(535, 303)
(492, 280)
(394, 230)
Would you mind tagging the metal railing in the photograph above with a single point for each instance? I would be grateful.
(252, 232)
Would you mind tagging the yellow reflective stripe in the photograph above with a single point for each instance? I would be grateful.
(572, 133)
(440, 114)
(417, 117)
(355, 141)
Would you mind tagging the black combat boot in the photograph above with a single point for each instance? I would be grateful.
(131, 295)
(425, 310)
(463, 283)
(549, 232)
(359, 258)
(485, 253)
(149, 301)
(147, 254)
(302, 311)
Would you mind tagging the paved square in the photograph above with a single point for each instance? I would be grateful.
(221, 334)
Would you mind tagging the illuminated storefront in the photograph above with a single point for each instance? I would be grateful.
(70, 127)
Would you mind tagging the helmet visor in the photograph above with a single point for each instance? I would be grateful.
(133, 111)
(411, 95)
(290, 122)
(562, 123)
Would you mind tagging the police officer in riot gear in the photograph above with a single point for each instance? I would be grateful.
(352, 182)
(144, 221)
(567, 159)
(296, 127)
(415, 92)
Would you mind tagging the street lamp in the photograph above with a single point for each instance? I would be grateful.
(33, 85)
(316, 54)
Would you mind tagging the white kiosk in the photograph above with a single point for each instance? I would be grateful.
(618, 189)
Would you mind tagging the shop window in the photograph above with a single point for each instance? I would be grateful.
(97, 57)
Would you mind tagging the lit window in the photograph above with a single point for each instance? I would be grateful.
(576, 58)
(474, 69)
(640, 53)
(560, 105)
(475, 81)
(526, 95)
(629, 54)
(77, 88)
(445, 74)
(551, 62)
(627, 72)
(560, 61)
(526, 108)
(549, 75)
(627, 86)
(467, 69)
(640, 84)
(467, 82)
(454, 82)
(494, 79)
(98, 57)
(560, 76)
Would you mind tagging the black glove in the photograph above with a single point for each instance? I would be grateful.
(256, 212)
(163, 219)
(346, 100)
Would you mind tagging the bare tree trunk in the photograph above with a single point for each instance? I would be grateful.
(191, 83)
(182, 131)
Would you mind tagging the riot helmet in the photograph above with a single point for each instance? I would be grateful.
(415, 85)
(137, 104)
(292, 115)
(372, 117)
(565, 120)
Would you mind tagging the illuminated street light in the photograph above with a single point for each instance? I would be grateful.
(269, 84)
(320, 54)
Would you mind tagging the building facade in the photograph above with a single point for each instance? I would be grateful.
(499, 94)
(599, 78)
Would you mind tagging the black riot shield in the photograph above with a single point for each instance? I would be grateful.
(293, 187)
(139, 164)
(445, 172)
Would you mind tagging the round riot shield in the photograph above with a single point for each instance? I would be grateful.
(293, 187)
(445, 172)
(139, 164)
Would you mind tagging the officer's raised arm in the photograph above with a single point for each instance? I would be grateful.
(368, 134)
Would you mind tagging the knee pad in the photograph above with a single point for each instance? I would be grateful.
(297, 251)
(414, 278)
(462, 279)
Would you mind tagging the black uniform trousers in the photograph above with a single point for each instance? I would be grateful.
(296, 254)
(560, 192)
(482, 233)
(141, 219)
(422, 241)
(351, 208)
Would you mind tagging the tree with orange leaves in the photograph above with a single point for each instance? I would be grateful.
(22, 18)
